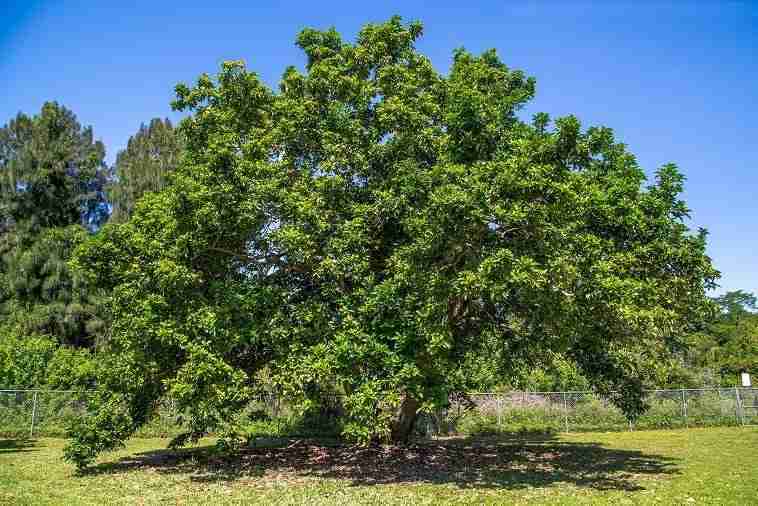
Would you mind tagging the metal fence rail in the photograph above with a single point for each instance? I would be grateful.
(45, 412)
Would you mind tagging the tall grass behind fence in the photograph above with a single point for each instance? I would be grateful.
(29, 413)
(546, 412)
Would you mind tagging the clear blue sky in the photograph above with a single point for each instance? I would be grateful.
(678, 81)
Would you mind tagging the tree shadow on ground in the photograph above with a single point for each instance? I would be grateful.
(491, 462)
(17, 446)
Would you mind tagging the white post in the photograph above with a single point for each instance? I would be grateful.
(684, 407)
(565, 412)
(745, 378)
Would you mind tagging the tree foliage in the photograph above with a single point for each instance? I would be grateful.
(729, 345)
(43, 296)
(150, 156)
(38, 361)
(369, 228)
(52, 172)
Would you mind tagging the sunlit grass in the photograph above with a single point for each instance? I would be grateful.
(696, 466)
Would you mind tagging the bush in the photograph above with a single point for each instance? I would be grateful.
(512, 421)
(24, 360)
(592, 414)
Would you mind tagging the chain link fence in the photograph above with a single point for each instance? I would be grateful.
(47, 413)
(39, 412)
(522, 412)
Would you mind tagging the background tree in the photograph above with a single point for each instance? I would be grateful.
(729, 345)
(14, 136)
(52, 173)
(151, 154)
(371, 226)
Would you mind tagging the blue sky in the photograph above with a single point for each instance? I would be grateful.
(677, 81)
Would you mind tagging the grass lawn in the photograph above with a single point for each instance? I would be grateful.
(697, 466)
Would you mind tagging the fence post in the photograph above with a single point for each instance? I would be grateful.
(738, 406)
(499, 405)
(565, 412)
(34, 414)
(684, 407)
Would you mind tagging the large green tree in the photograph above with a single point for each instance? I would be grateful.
(144, 166)
(52, 174)
(372, 225)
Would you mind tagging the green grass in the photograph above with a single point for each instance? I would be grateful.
(691, 466)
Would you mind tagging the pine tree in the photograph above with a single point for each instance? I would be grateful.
(151, 154)
(52, 174)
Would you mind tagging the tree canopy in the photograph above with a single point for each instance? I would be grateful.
(52, 174)
(150, 156)
(52, 171)
(729, 344)
(369, 227)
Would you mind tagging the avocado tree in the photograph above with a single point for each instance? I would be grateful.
(368, 230)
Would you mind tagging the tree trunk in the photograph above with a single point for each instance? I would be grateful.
(405, 420)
